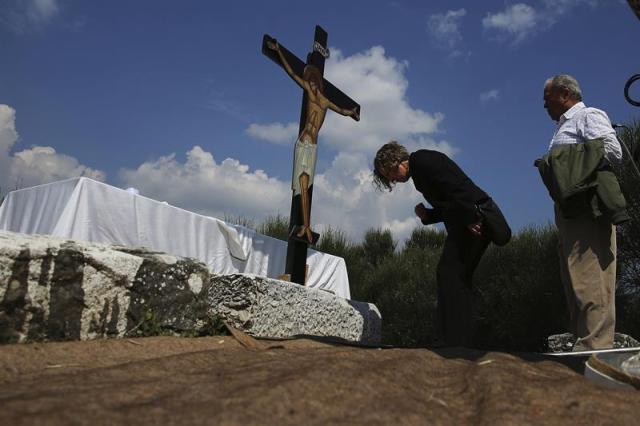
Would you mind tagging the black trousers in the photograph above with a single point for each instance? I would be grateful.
(460, 256)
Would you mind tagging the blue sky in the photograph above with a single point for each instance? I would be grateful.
(176, 99)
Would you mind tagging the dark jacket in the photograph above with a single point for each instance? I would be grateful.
(580, 179)
(453, 196)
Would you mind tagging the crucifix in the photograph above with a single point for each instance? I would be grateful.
(318, 96)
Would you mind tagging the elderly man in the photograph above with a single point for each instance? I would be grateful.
(588, 205)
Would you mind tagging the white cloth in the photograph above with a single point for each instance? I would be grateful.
(581, 123)
(83, 209)
(304, 161)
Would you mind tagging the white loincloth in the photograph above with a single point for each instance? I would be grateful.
(304, 161)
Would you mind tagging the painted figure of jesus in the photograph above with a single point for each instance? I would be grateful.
(305, 153)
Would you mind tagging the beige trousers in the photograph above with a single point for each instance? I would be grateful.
(587, 249)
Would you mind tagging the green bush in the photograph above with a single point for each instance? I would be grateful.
(333, 241)
(628, 290)
(275, 226)
(240, 220)
(404, 290)
(519, 299)
(377, 245)
(425, 238)
(400, 284)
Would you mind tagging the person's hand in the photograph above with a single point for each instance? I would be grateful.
(476, 228)
(421, 211)
(273, 44)
(355, 114)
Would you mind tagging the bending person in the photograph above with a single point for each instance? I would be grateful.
(470, 216)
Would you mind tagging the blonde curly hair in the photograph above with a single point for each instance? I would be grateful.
(388, 157)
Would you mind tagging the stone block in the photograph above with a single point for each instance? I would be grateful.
(270, 308)
(54, 289)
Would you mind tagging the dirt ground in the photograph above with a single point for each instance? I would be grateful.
(216, 380)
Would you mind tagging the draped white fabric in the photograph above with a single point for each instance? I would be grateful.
(86, 210)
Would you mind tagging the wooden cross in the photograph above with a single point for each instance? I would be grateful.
(318, 96)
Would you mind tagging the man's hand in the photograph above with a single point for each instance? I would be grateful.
(273, 44)
(354, 113)
(421, 211)
(476, 228)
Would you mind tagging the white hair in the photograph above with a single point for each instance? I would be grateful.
(565, 82)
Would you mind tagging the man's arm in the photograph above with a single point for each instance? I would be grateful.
(597, 125)
(344, 111)
(276, 46)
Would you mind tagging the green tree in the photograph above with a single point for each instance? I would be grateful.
(628, 290)
(519, 298)
(403, 288)
(334, 241)
(240, 220)
(425, 238)
(377, 245)
(275, 226)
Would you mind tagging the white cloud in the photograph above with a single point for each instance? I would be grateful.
(218, 100)
(8, 136)
(444, 28)
(215, 188)
(522, 21)
(8, 133)
(493, 94)
(401, 229)
(36, 165)
(41, 10)
(558, 8)
(42, 164)
(428, 143)
(519, 20)
(377, 82)
(27, 15)
(277, 133)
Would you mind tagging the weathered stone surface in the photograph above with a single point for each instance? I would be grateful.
(266, 307)
(52, 289)
(564, 342)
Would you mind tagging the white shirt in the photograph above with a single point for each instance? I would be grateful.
(580, 123)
